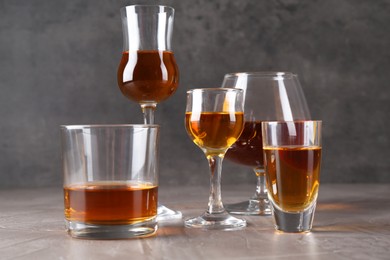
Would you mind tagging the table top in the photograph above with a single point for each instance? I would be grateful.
(352, 221)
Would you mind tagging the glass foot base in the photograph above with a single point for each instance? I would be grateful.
(164, 213)
(221, 221)
(251, 207)
(294, 222)
(92, 231)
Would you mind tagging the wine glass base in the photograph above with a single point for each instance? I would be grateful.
(164, 213)
(251, 207)
(219, 221)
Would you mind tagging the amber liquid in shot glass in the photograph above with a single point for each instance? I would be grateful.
(293, 176)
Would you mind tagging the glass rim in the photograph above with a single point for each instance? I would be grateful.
(215, 89)
(290, 121)
(262, 74)
(140, 6)
(130, 126)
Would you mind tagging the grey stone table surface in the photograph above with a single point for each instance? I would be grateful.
(352, 222)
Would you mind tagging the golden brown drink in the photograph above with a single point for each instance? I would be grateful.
(110, 203)
(148, 76)
(292, 176)
(214, 132)
(248, 150)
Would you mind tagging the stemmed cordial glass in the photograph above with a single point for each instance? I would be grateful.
(148, 73)
(268, 96)
(214, 120)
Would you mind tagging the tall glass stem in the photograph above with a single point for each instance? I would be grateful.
(259, 202)
(215, 201)
(148, 112)
(261, 187)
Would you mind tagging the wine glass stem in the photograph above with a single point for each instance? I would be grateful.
(261, 187)
(148, 111)
(215, 202)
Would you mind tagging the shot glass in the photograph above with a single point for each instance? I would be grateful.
(110, 180)
(292, 160)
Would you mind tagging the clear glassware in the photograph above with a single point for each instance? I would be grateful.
(292, 160)
(268, 96)
(214, 120)
(148, 73)
(103, 164)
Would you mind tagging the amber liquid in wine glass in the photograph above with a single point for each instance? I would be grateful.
(148, 76)
(214, 132)
(248, 149)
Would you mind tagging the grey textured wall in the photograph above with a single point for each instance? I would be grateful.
(58, 62)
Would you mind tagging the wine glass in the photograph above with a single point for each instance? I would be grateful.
(268, 96)
(214, 120)
(148, 73)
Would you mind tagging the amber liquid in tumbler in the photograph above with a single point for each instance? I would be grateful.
(148, 76)
(248, 149)
(110, 203)
(214, 132)
(292, 176)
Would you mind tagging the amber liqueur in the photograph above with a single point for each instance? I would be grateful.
(248, 149)
(148, 76)
(214, 131)
(110, 202)
(292, 176)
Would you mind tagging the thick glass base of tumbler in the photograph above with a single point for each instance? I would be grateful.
(251, 207)
(220, 221)
(165, 214)
(92, 231)
(294, 222)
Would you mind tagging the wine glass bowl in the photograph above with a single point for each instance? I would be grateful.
(214, 120)
(211, 138)
(147, 73)
(268, 96)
